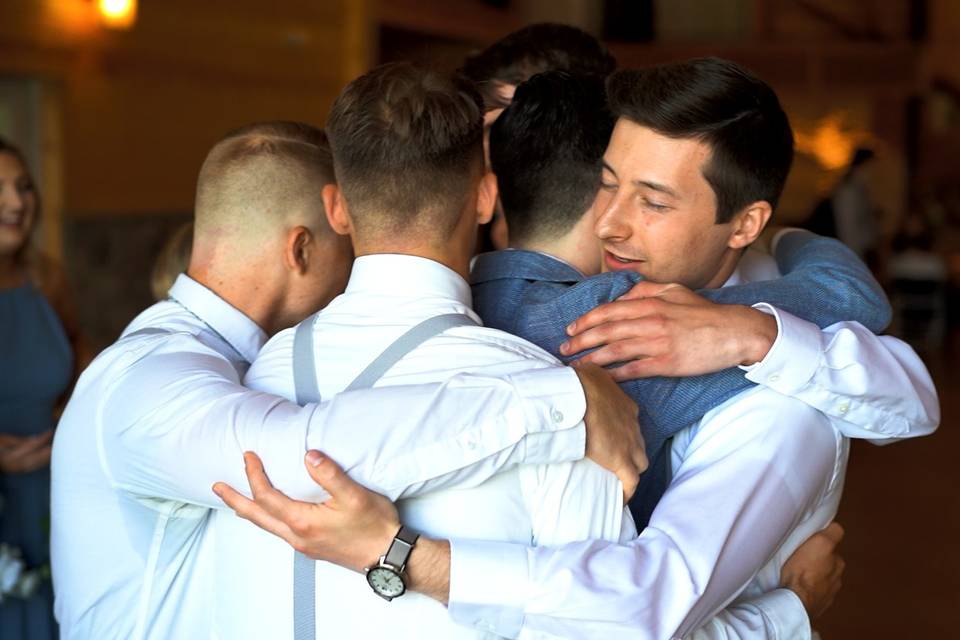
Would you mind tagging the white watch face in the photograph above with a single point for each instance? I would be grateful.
(385, 582)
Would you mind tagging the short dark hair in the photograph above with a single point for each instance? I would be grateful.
(724, 105)
(546, 149)
(407, 142)
(532, 50)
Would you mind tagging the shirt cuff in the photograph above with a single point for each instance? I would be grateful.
(794, 357)
(786, 614)
(489, 586)
(554, 407)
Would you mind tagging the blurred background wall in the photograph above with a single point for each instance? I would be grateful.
(117, 119)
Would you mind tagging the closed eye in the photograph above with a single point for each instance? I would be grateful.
(656, 206)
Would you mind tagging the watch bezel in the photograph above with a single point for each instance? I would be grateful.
(390, 569)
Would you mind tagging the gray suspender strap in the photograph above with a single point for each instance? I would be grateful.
(304, 569)
(405, 344)
(146, 331)
(304, 371)
(305, 382)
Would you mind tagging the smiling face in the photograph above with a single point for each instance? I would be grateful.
(661, 216)
(18, 204)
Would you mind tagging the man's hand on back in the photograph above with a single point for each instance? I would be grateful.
(814, 570)
(352, 529)
(613, 432)
(668, 330)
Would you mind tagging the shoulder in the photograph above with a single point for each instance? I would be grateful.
(765, 427)
(272, 371)
(496, 341)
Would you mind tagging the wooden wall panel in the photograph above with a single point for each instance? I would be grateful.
(141, 107)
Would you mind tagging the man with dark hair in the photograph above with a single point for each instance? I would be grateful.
(498, 69)
(764, 469)
(160, 415)
(552, 140)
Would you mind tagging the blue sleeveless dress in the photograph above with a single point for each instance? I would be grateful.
(36, 365)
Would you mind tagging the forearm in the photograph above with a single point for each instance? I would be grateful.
(823, 282)
(776, 615)
(872, 387)
(467, 429)
(682, 569)
(428, 569)
(175, 443)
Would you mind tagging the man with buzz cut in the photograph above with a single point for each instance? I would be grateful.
(693, 169)
(161, 414)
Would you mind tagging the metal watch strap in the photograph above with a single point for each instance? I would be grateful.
(400, 548)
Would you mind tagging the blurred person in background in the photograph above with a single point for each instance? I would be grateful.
(40, 355)
(849, 213)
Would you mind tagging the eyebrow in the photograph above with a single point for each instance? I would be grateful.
(607, 166)
(656, 186)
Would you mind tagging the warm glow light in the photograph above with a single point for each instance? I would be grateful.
(118, 14)
(831, 142)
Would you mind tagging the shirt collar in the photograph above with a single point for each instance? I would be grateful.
(395, 274)
(237, 330)
(735, 278)
(753, 266)
(520, 263)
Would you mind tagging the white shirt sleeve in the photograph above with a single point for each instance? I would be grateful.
(177, 420)
(775, 615)
(749, 476)
(575, 501)
(872, 387)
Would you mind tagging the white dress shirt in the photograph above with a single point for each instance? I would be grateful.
(160, 416)
(388, 294)
(752, 480)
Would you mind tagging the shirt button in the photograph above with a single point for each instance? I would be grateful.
(843, 408)
(556, 415)
(774, 377)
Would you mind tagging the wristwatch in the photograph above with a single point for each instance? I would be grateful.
(386, 578)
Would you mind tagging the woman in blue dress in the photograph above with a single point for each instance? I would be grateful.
(37, 365)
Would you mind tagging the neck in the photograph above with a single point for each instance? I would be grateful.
(457, 263)
(246, 290)
(454, 252)
(11, 273)
(579, 247)
(728, 265)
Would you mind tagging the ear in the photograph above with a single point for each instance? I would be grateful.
(486, 197)
(297, 250)
(749, 223)
(336, 209)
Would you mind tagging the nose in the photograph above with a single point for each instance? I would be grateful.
(10, 197)
(611, 224)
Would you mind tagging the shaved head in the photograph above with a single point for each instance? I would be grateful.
(260, 179)
(261, 237)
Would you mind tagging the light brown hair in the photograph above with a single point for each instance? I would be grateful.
(407, 143)
(261, 171)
